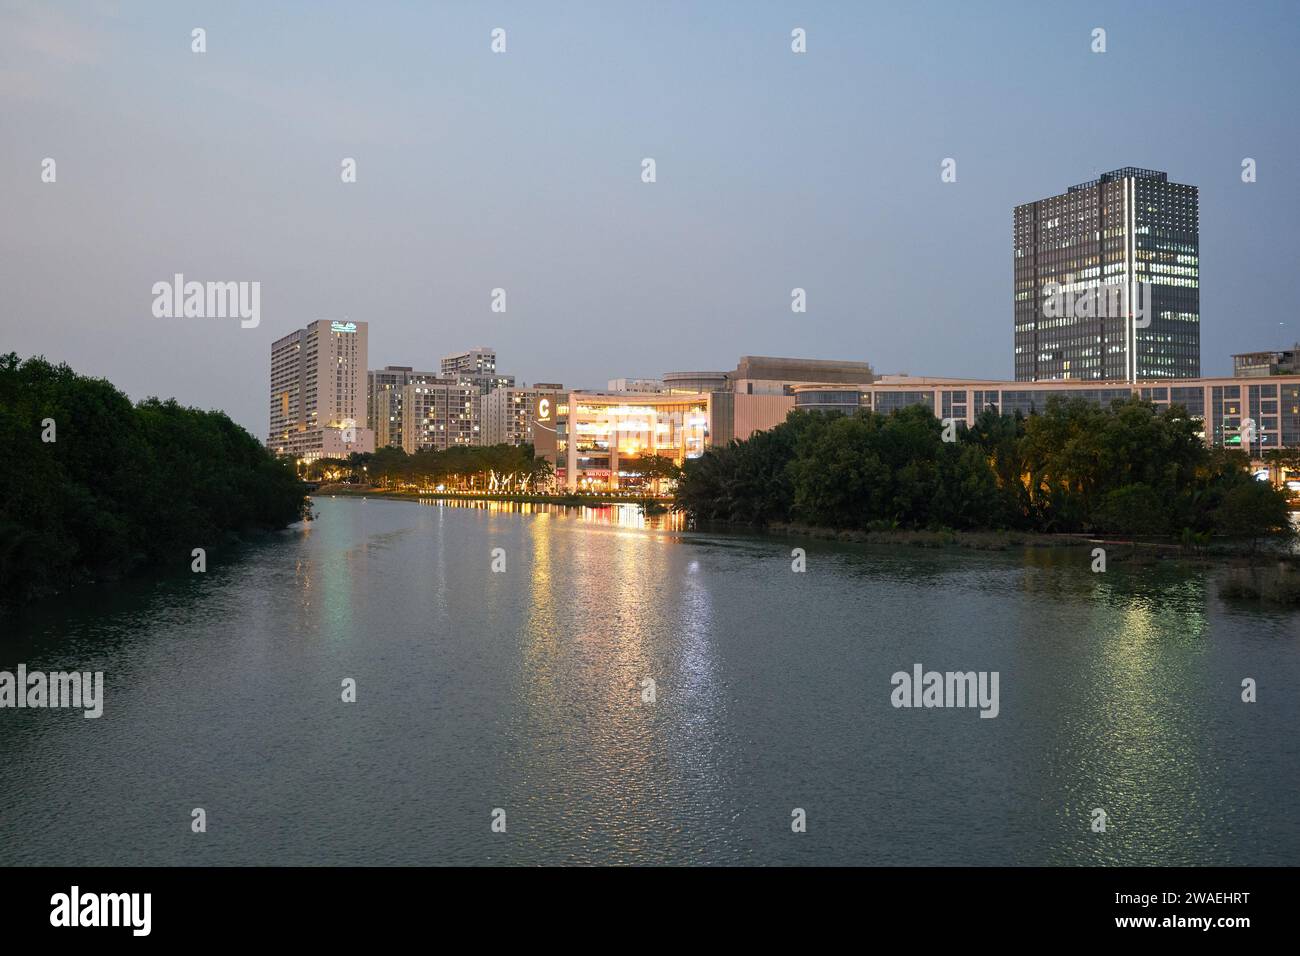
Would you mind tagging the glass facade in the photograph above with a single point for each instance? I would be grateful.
(1289, 414)
(888, 401)
(1127, 228)
(605, 436)
(1225, 415)
(1191, 398)
(954, 403)
(827, 399)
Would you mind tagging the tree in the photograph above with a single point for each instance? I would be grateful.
(121, 486)
(390, 465)
(1131, 468)
(657, 469)
(540, 472)
(1253, 510)
(358, 463)
(1133, 509)
(1000, 439)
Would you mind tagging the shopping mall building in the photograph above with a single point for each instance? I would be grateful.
(595, 439)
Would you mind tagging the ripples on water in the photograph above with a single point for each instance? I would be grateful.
(522, 690)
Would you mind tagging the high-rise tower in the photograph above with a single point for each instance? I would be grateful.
(1107, 281)
(318, 392)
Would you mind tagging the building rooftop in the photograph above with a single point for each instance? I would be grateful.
(905, 379)
(660, 397)
(830, 371)
(1124, 172)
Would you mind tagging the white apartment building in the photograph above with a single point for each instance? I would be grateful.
(440, 414)
(318, 392)
(476, 366)
(385, 390)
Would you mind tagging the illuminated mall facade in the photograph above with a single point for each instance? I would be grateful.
(596, 440)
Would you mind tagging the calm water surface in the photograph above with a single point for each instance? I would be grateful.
(522, 690)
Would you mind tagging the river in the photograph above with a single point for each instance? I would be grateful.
(522, 691)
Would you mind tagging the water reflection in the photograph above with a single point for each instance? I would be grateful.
(524, 690)
(621, 515)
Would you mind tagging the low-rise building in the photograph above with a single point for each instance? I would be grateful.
(1268, 408)
(1264, 364)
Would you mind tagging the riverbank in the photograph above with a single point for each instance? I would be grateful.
(1148, 548)
(575, 500)
(977, 540)
(1262, 576)
(1256, 574)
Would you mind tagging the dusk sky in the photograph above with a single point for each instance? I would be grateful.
(522, 170)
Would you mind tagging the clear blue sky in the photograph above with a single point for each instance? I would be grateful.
(522, 171)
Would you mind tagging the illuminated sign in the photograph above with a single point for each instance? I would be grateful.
(343, 326)
(543, 417)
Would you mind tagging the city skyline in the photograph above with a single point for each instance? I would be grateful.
(795, 171)
(790, 434)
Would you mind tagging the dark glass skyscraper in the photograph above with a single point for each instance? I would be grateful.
(1130, 240)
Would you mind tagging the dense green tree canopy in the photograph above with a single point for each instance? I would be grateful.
(1132, 468)
(460, 467)
(121, 485)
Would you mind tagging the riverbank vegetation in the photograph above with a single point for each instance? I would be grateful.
(491, 469)
(563, 499)
(102, 487)
(1130, 469)
(496, 468)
